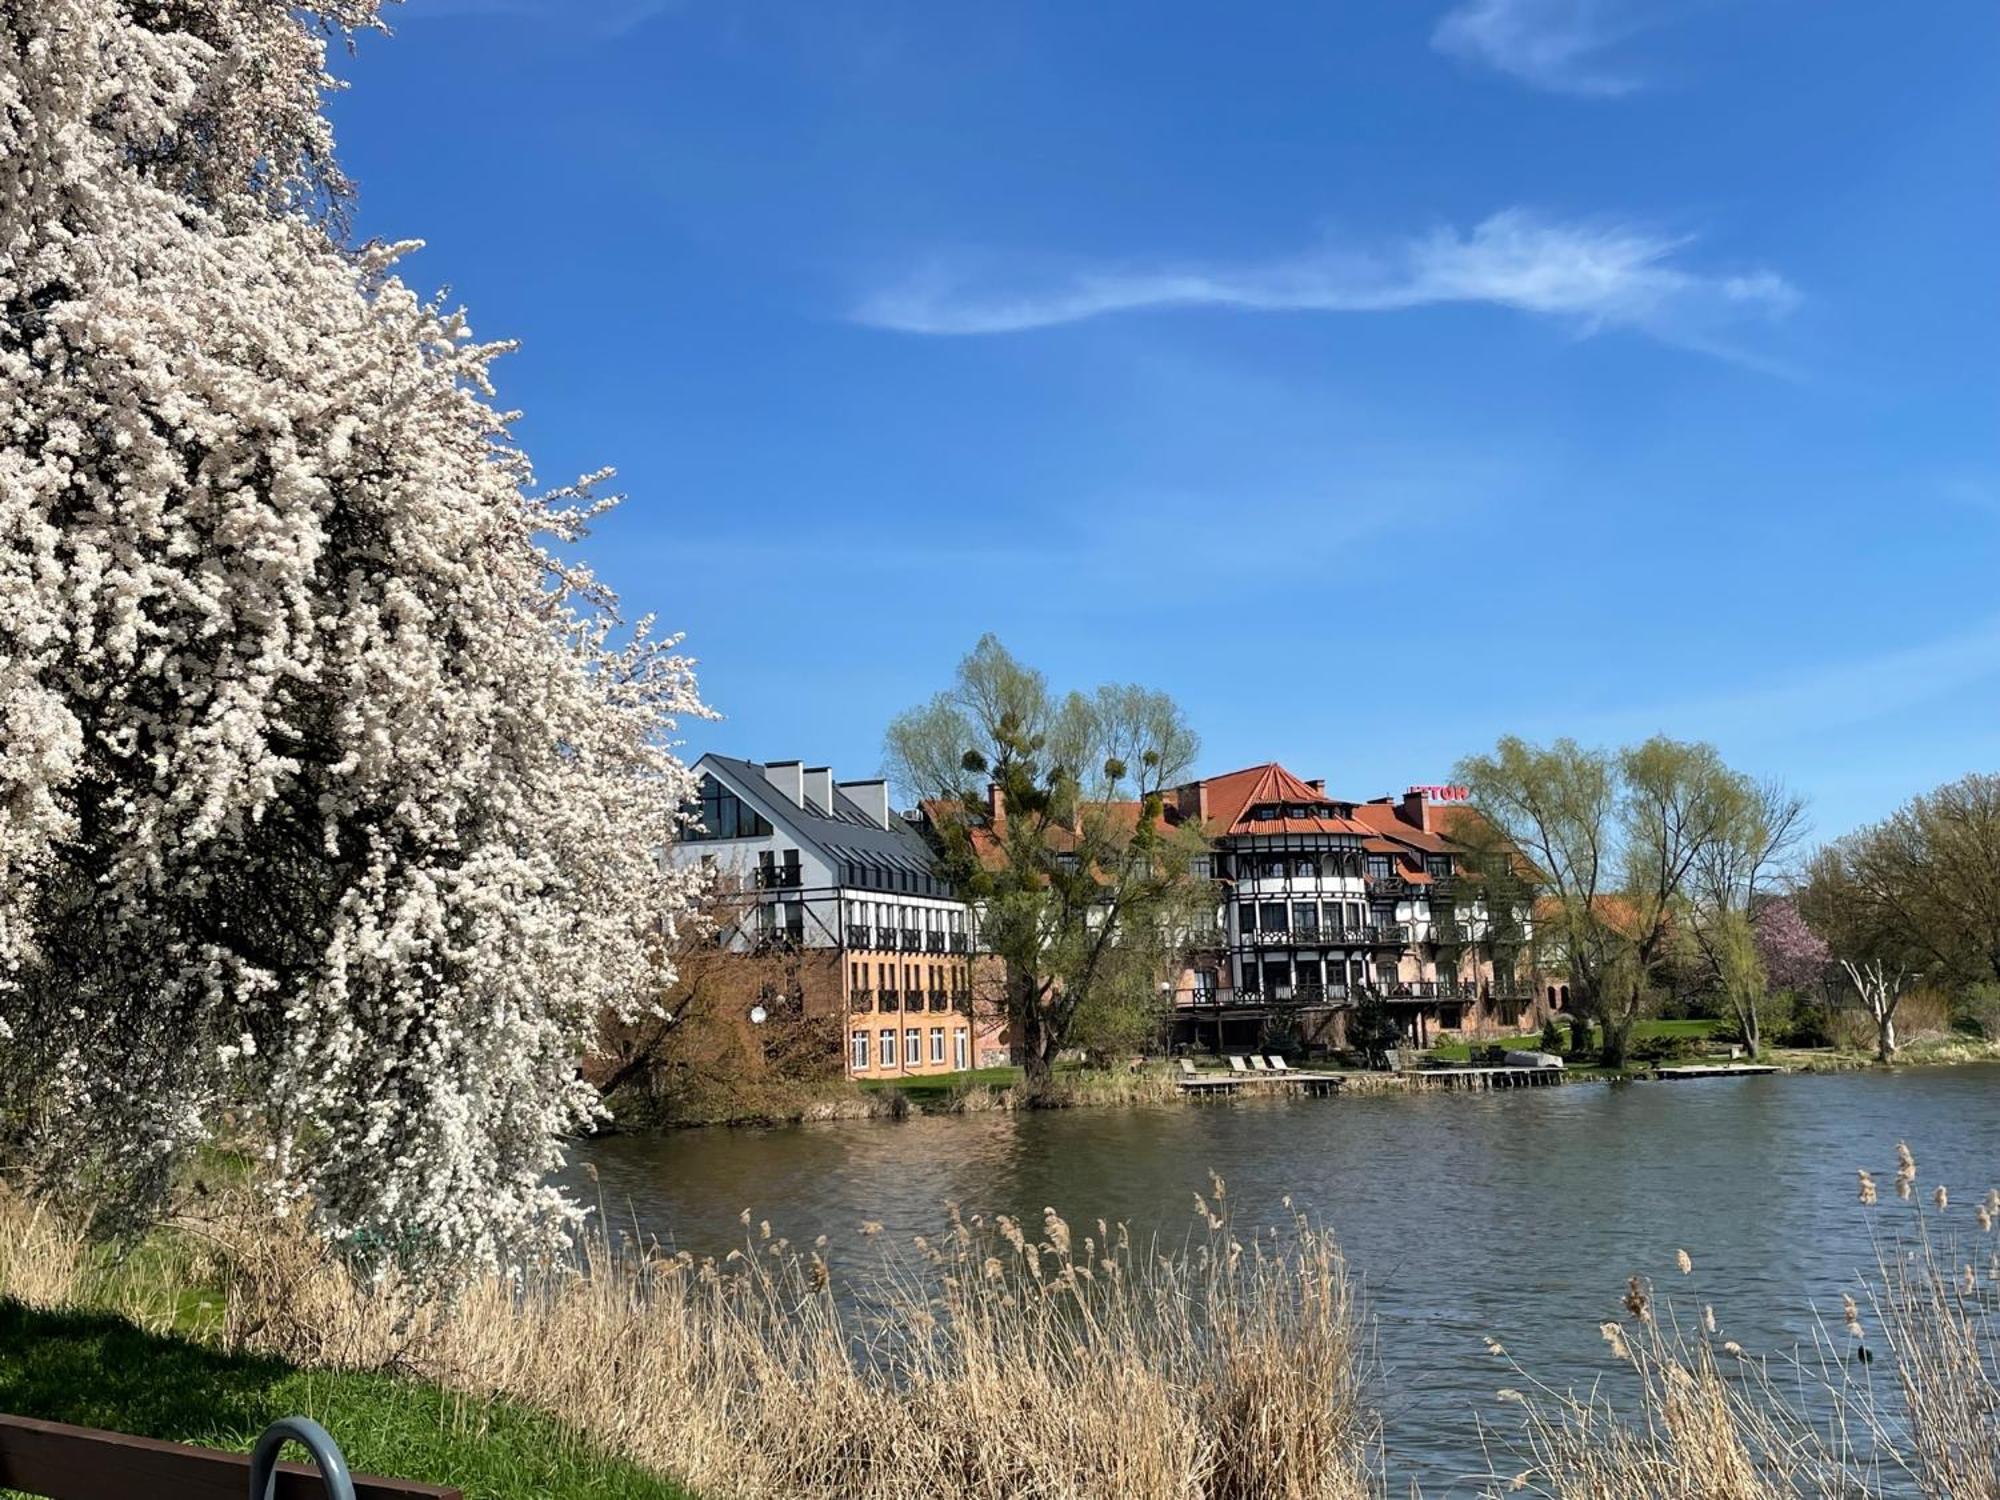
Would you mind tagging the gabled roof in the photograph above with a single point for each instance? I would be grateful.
(1234, 796)
(1384, 818)
(843, 832)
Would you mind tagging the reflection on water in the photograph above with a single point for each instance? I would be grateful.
(1515, 1215)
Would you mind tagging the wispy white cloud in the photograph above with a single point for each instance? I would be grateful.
(1873, 687)
(600, 20)
(1560, 45)
(1591, 275)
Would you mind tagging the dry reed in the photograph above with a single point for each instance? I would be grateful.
(1003, 1358)
(996, 1359)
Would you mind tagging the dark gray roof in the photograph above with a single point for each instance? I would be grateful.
(844, 831)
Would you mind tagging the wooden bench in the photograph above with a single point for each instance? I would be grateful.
(62, 1462)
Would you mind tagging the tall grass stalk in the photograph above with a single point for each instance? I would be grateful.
(997, 1359)
(1001, 1358)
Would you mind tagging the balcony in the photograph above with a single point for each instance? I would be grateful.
(933, 942)
(1389, 934)
(913, 940)
(888, 1001)
(777, 877)
(956, 942)
(940, 1000)
(861, 1001)
(961, 1001)
(859, 934)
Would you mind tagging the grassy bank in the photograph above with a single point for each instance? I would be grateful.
(1680, 1042)
(994, 1359)
(97, 1369)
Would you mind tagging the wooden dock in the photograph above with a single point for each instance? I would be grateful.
(1227, 1084)
(1483, 1078)
(1720, 1070)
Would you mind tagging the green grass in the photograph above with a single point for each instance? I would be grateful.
(96, 1370)
(927, 1087)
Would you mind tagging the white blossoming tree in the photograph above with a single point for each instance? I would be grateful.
(332, 789)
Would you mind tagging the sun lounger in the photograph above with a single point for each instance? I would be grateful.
(1279, 1065)
(1237, 1065)
(1187, 1068)
(1258, 1065)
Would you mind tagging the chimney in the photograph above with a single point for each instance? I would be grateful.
(996, 805)
(1318, 784)
(789, 777)
(1191, 801)
(1415, 811)
(819, 787)
(872, 797)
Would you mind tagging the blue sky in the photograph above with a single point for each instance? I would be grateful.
(1376, 378)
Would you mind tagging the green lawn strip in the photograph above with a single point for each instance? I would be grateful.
(95, 1370)
(928, 1086)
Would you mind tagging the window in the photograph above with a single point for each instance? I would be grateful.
(1274, 916)
(1246, 917)
(720, 814)
(937, 1044)
(961, 1048)
(1305, 916)
(913, 1047)
(885, 1048)
(1379, 867)
(860, 1051)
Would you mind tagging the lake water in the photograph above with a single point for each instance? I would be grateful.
(1516, 1215)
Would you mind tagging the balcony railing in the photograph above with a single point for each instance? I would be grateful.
(961, 1001)
(933, 942)
(861, 1000)
(1393, 933)
(859, 934)
(956, 941)
(888, 1000)
(777, 877)
(912, 940)
(940, 1000)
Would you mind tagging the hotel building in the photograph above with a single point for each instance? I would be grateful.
(1325, 900)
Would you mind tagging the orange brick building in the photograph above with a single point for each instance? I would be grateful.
(827, 867)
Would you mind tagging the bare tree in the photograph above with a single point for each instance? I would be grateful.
(1881, 992)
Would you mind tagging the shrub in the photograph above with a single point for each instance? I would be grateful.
(1657, 1049)
(1810, 1024)
(1552, 1036)
(1978, 1011)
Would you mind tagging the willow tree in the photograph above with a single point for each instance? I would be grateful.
(1616, 839)
(1730, 897)
(1049, 814)
(332, 787)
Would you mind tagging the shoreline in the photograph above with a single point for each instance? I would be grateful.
(1155, 1085)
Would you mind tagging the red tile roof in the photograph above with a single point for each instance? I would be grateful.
(1233, 797)
(1384, 818)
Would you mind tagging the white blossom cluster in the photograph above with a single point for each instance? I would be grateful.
(331, 791)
